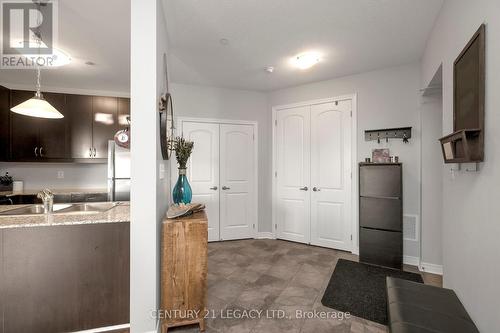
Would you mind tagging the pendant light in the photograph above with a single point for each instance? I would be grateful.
(37, 106)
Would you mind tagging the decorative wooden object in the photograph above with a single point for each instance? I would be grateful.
(184, 271)
(466, 143)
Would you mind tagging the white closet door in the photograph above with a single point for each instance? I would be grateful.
(237, 172)
(293, 168)
(203, 170)
(331, 175)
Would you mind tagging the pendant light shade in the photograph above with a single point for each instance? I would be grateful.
(37, 107)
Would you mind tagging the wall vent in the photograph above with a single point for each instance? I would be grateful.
(411, 227)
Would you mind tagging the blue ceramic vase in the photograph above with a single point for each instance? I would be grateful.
(182, 193)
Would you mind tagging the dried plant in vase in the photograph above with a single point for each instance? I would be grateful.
(182, 193)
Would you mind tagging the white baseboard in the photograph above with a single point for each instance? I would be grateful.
(265, 235)
(409, 260)
(431, 268)
(107, 328)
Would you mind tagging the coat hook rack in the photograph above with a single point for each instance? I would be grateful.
(389, 133)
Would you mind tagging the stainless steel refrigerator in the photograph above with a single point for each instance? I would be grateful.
(118, 172)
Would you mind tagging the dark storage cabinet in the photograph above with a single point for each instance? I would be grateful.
(4, 123)
(381, 214)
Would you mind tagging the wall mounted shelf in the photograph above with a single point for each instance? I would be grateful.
(462, 146)
(403, 133)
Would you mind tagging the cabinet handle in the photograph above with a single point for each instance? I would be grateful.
(95, 152)
(36, 149)
(316, 189)
(90, 152)
(214, 188)
(225, 188)
(41, 153)
(305, 188)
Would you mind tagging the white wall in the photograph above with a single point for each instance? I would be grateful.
(432, 181)
(42, 175)
(210, 102)
(386, 98)
(149, 193)
(471, 211)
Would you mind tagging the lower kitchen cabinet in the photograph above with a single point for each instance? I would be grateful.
(64, 278)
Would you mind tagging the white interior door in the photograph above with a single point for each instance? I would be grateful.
(203, 170)
(293, 174)
(331, 175)
(237, 173)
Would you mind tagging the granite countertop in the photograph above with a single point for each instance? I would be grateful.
(55, 191)
(120, 213)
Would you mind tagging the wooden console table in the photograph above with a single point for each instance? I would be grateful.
(184, 271)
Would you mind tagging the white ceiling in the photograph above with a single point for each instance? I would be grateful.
(354, 35)
(89, 30)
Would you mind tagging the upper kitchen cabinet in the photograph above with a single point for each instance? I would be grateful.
(104, 125)
(4, 124)
(80, 119)
(37, 139)
(123, 113)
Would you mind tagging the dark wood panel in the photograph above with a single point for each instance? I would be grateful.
(66, 278)
(4, 124)
(24, 130)
(380, 180)
(381, 213)
(378, 247)
(79, 109)
(123, 112)
(2, 296)
(53, 133)
(105, 123)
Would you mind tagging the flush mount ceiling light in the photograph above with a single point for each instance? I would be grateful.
(37, 106)
(306, 60)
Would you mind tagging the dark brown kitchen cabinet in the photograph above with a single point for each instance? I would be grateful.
(123, 113)
(37, 139)
(80, 114)
(4, 124)
(64, 278)
(105, 124)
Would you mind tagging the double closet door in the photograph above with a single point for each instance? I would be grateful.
(313, 174)
(221, 172)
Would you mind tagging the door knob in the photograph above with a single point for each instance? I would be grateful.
(226, 188)
(305, 188)
(316, 189)
(214, 188)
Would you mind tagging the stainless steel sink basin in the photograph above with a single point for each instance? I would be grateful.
(33, 210)
(78, 208)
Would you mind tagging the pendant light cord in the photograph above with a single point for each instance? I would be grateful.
(38, 35)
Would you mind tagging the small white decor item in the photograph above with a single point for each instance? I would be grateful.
(17, 186)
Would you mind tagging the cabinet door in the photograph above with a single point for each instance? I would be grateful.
(53, 138)
(331, 175)
(293, 168)
(4, 123)
(105, 123)
(203, 170)
(24, 130)
(123, 113)
(237, 174)
(79, 110)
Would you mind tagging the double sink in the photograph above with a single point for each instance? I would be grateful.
(59, 209)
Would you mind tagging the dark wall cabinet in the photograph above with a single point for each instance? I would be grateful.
(81, 136)
(381, 214)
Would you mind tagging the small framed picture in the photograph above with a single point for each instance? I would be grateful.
(381, 156)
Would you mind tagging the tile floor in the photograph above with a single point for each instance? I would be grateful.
(275, 275)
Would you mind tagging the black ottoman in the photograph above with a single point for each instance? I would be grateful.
(415, 307)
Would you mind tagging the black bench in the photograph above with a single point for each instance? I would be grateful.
(418, 308)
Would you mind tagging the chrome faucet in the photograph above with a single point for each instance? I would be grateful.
(48, 200)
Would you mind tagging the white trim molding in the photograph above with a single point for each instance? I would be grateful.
(106, 329)
(431, 268)
(409, 260)
(265, 235)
